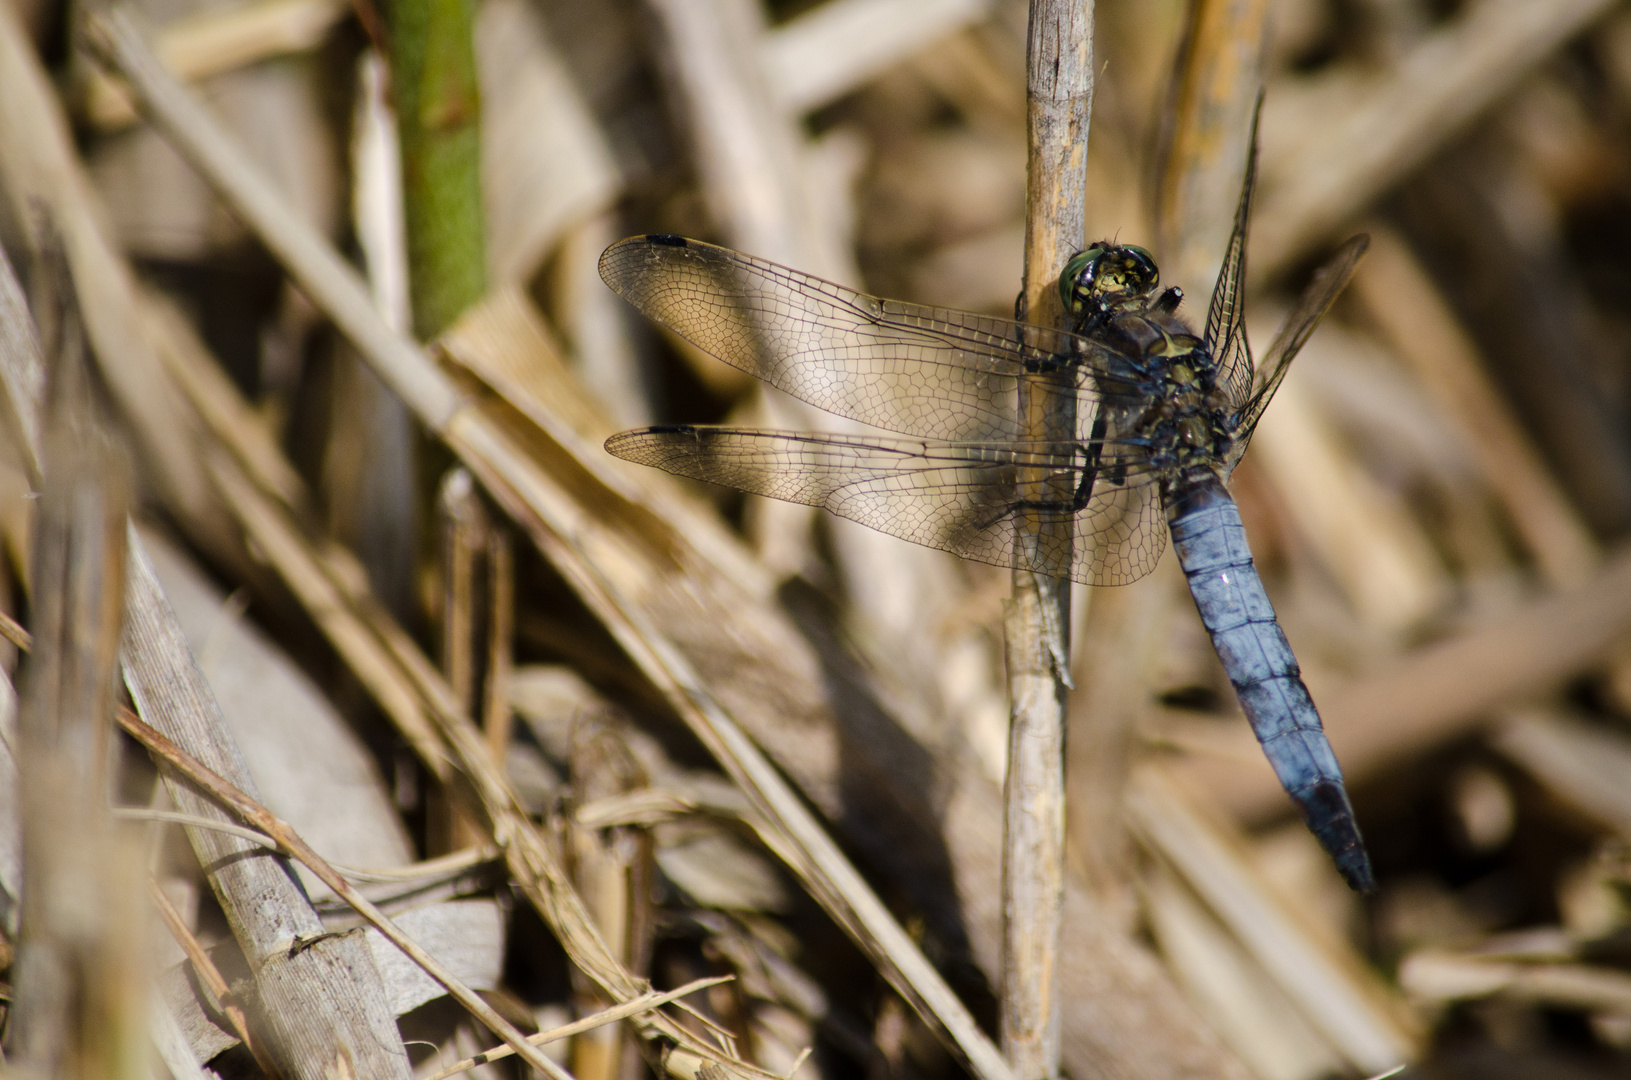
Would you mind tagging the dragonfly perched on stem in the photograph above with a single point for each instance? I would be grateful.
(1153, 419)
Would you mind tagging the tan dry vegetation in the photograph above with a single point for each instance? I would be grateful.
(500, 735)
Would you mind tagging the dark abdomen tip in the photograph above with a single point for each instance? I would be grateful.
(1330, 818)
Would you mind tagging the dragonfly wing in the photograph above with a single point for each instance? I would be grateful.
(1226, 316)
(1120, 535)
(959, 497)
(1316, 300)
(902, 367)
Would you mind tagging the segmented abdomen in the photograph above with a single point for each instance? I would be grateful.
(1211, 545)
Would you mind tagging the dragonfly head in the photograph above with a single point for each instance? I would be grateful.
(1106, 277)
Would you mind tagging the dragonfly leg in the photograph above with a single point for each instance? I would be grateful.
(1056, 509)
(1078, 499)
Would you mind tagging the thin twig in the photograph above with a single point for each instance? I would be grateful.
(430, 869)
(195, 821)
(798, 1062)
(442, 866)
(13, 631)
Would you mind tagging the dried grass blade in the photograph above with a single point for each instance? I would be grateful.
(1417, 320)
(316, 267)
(326, 581)
(14, 632)
(413, 693)
(196, 821)
(1334, 992)
(643, 1003)
(420, 692)
(809, 851)
(252, 812)
(22, 373)
(319, 1002)
(1450, 78)
(39, 166)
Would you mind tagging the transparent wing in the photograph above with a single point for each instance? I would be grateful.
(959, 497)
(1315, 301)
(915, 370)
(1226, 316)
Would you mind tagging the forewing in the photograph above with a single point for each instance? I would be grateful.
(915, 370)
(1316, 300)
(1226, 317)
(958, 497)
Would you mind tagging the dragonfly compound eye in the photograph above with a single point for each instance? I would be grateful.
(1077, 278)
(1142, 275)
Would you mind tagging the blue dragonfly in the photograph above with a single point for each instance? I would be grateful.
(1141, 420)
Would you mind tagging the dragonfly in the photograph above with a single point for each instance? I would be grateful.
(1071, 453)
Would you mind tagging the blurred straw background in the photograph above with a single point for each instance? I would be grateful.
(587, 736)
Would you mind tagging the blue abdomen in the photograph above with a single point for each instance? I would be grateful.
(1211, 545)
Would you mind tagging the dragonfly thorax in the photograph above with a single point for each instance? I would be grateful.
(1184, 419)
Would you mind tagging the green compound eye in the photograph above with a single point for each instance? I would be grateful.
(1079, 267)
(1147, 274)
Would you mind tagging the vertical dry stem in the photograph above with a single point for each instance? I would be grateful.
(606, 867)
(477, 597)
(1210, 111)
(80, 1010)
(1059, 97)
(464, 533)
(478, 586)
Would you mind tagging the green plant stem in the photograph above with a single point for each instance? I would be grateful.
(438, 114)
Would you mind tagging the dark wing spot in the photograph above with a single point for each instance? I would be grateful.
(667, 239)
